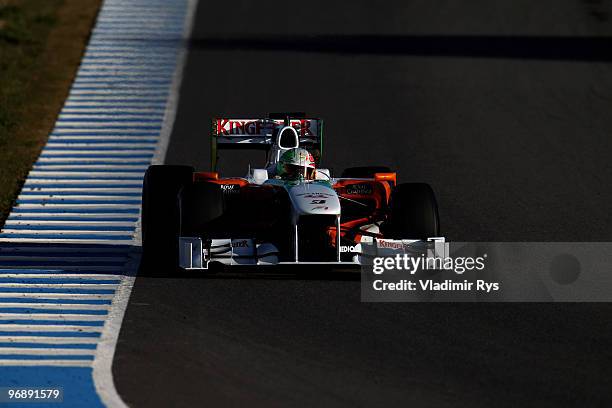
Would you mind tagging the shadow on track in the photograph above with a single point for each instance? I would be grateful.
(86, 258)
(221, 272)
(515, 47)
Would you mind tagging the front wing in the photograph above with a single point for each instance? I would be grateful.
(196, 254)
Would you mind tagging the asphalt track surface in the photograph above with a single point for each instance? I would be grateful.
(503, 107)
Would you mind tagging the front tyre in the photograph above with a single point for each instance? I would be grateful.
(413, 212)
(160, 215)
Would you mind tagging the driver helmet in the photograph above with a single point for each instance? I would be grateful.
(296, 164)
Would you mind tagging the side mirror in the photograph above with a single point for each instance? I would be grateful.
(323, 174)
(260, 176)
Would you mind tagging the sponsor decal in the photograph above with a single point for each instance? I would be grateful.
(359, 189)
(315, 195)
(250, 127)
(230, 188)
(381, 243)
(438, 248)
(348, 248)
(240, 244)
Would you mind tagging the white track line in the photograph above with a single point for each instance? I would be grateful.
(46, 351)
(64, 318)
(76, 296)
(46, 363)
(110, 116)
(57, 197)
(50, 340)
(39, 183)
(48, 328)
(96, 241)
(53, 306)
(89, 160)
(95, 145)
(59, 285)
(54, 249)
(93, 190)
(42, 219)
(59, 232)
(73, 206)
(70, 223)
(68, 266)
(49, 216)
(60, 275)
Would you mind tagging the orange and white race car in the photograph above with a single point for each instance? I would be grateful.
(289, 211)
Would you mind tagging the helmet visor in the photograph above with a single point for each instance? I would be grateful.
(294, 172)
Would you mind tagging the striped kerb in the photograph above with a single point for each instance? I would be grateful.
(65, 246)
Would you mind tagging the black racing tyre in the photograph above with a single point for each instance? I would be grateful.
(160, 215)
(201, 205)
(413, 212)
(364, 172)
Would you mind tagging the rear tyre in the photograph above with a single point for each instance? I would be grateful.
(364, 172)
(413, 212)
(160, 215)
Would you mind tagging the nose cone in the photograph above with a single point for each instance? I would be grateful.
(314, 198)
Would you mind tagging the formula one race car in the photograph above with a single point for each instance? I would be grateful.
(289, 211)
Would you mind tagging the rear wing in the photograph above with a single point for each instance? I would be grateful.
(260, 133)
